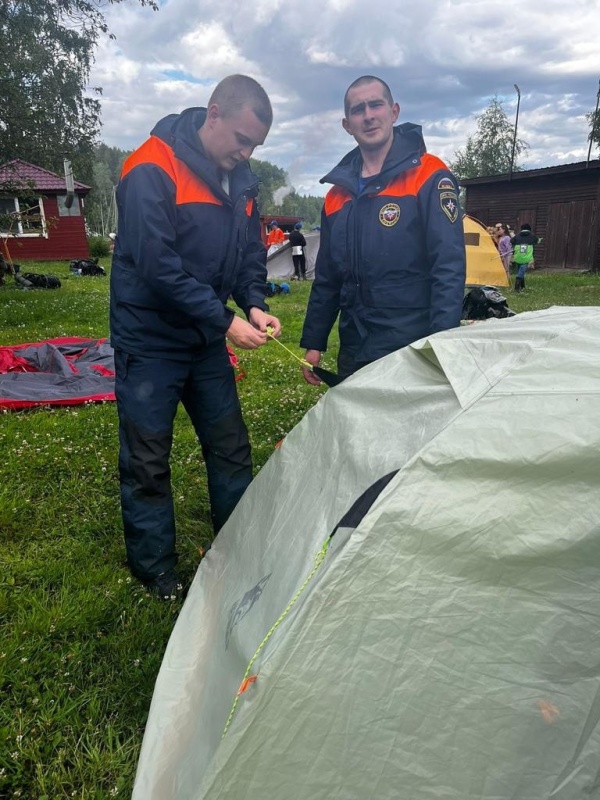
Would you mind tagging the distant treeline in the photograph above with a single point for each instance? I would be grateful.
(107, 164)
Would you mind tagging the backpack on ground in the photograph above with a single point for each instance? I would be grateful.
(272, 289)
(87, 266)
(484, 302)
(276, 288)
(8, 269)
(39, 281)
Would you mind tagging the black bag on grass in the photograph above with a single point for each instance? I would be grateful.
(484, 302)
(5, 267)
(87, 266)
(272, 289)
(42, 281)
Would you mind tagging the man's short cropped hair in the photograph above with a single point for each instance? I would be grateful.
(367, 79)
(236, 92)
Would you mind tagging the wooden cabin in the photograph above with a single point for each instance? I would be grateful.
(36, 221)
(562, 205)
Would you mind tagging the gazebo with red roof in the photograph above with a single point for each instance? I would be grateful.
(36, 221)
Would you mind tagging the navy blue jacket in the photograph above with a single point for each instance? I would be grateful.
(391, 259)
(183, 246)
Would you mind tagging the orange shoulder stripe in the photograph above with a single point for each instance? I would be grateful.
(153, 151)
(335, 199)
(189, 188)
(411, 181)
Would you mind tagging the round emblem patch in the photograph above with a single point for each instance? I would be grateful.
(389, 214)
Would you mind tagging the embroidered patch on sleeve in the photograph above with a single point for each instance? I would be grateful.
(449, 204)
(446, 183)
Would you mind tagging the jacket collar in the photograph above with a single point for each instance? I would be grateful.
(405, 153)
(180, 132)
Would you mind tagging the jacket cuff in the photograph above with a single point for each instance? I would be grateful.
(307, 345)
(222, 326)
(255, 304)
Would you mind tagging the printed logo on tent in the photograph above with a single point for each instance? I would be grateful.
(389, 214)
(446, 183)
(449, 204)
(243, 607)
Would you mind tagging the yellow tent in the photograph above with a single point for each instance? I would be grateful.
(484, 265)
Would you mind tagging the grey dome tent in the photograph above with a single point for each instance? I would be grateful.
(280, 265)
(405, 605)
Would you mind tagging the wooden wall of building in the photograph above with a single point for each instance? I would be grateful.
(66, 238)
(564, 209)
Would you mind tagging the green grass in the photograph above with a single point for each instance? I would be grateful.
(81, 641)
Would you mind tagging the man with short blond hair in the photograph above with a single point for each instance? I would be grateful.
(236, 92)
(189, 238)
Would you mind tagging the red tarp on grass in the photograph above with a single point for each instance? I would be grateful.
(67, 371)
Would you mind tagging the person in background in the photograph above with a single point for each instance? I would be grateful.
(502, 237)
(523, 245)
(189, 237)
(298, 243)
(276, 236)
(391, 260)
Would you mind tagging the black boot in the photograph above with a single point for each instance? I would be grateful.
(518, 285)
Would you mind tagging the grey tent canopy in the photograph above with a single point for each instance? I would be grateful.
(405, 604)
(65, 371)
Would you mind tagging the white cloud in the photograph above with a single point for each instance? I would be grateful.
(319, 56)
(444, 60)
(209, 50)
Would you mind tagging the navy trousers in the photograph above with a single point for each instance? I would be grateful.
(148, 391)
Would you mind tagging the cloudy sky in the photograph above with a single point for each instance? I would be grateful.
(443, 59)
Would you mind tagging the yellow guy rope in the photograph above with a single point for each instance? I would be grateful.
(303, 361)
(319, 558)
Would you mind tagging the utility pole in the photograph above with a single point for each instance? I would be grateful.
(594, 126)
(512, 157)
